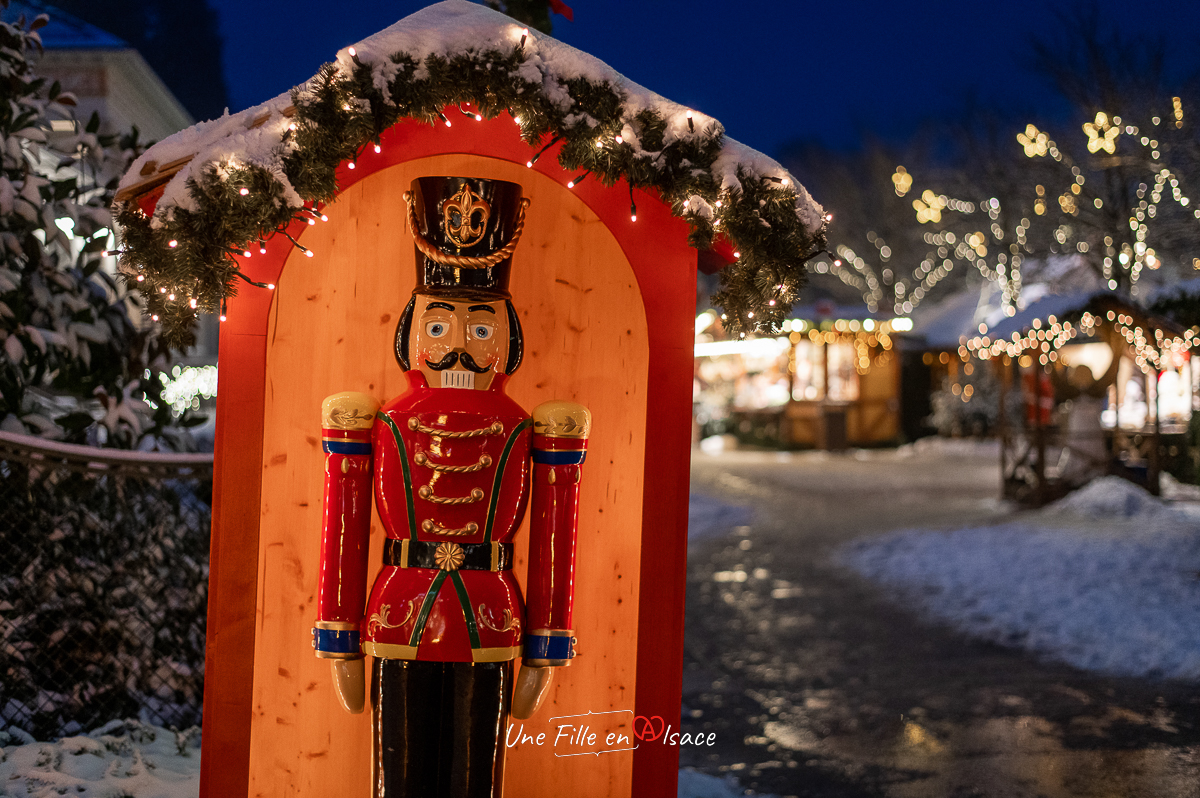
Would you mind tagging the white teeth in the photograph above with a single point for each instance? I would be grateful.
(458, 379)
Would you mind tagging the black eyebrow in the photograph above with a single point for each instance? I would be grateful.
(488, 308)
(442, 305)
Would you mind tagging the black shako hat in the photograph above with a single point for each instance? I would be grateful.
(465, 230)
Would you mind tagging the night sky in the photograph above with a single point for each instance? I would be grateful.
(772, 72)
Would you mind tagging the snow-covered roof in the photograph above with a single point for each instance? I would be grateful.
(256, 135)
(943, 326)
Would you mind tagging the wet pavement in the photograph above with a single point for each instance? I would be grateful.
(816, 684)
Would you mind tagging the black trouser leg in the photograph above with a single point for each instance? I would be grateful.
(406, 712)
(476, 701)
(439, 728)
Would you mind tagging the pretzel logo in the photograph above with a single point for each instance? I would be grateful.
(465, 216)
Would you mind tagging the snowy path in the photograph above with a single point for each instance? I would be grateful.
(822, 682)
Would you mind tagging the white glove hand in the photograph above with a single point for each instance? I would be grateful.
(531, 689)
(348, 683)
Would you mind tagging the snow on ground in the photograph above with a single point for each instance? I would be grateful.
(709, 517)
(950, 447)
(1107, 579)
(125, 759)
(128, 759)
(693, 784)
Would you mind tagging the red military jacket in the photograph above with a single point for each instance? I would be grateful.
(451, 475)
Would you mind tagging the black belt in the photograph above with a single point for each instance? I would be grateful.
(425, 554)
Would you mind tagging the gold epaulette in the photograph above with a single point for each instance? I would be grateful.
(348, 410)
(562, 419)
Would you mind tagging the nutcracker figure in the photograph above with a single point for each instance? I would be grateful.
(452, 463)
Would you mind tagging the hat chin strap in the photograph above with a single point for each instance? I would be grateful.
(464, 261)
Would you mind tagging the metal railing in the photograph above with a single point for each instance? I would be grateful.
(103, 585)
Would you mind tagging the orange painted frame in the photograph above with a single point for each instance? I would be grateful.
(665, 267)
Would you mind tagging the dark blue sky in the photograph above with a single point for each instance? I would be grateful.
(770, 71)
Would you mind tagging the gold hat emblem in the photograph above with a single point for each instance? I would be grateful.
(465, 216)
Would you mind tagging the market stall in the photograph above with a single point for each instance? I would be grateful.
(1104, 386)
(831, 380)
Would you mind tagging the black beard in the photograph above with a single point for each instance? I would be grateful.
(455, 357)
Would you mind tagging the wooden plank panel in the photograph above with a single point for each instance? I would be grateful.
(331, 329)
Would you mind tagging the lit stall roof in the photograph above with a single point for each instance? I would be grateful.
(1057, 319)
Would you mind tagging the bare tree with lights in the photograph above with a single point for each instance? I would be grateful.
(1112, 197)
(1122, 194)
(982, 217)
(875, 248)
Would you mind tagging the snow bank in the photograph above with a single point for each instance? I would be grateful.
(122, 758)
(1120, 596)
(1110, 497)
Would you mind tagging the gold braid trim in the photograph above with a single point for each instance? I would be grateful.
(496, 429)
(462, 261)
(427, 494)
(421, 459)
(434, 528)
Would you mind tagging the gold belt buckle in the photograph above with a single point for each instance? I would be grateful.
(495, 563)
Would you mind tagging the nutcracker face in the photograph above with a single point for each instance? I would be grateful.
(459, 342)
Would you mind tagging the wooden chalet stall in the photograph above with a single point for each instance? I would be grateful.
(605, 293)
(1105, 388)
(830, 381)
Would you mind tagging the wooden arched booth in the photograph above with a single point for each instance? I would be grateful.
(607, 308)
(606, 297)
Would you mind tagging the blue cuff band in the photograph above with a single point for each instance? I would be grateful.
(346, 447)
(336, 641)
(549, 647)
(559, 457)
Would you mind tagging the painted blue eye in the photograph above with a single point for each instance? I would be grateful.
(481, 331)
(436, 329)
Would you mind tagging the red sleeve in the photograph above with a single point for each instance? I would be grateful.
(346, 527)
(553, 524)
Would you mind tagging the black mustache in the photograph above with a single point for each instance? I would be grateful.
(458, 356)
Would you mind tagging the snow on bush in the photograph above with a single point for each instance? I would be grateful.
(73, 361)
(122, 759)
(1107, 579)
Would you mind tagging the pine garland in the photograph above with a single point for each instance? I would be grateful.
(189, 252)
